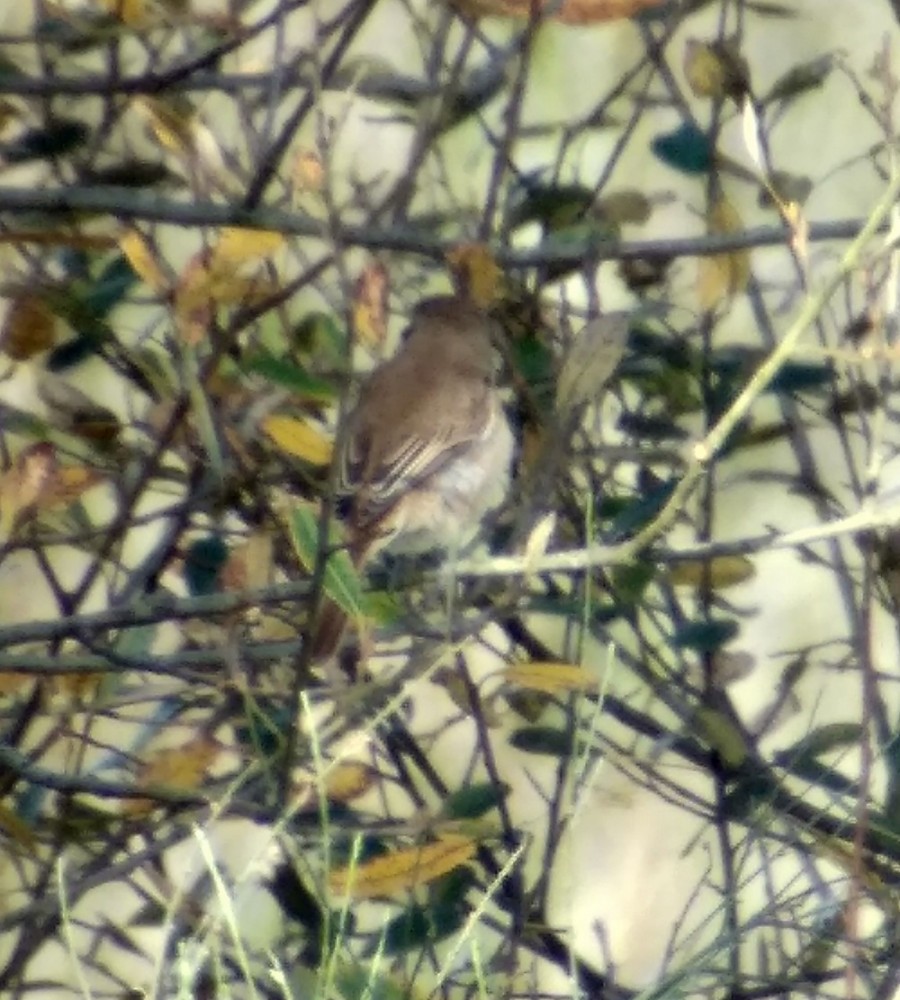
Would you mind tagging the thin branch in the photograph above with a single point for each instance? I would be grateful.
(126, 204)
(578, 560)
(151, 612)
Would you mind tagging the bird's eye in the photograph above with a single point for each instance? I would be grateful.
(406, 333)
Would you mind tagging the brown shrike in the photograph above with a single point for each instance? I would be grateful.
(428, 446)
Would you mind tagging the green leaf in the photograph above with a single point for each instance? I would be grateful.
(542, 740)
(420, 925)
(341, 583)
(751, 793)
(631, 580)
(130, 173)
(61, 136)
(319, 332)
(819, 774)
(290, 376)
(534, 361)
(798, 377)
(705, 636)
(722, 735)
(110, 288)
(801, 78)
(72, 352)
(892, 799)
(478, 90)
(203, 563)
(9, 70)
(555, 206)
(788, 187)
(590, 232)
(473, 801)
(639, 513)
(296, 901)
(825, 739)
(357, 981)
(687, 149)
(651, 428)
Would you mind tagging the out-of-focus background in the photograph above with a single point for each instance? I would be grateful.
(641, 740)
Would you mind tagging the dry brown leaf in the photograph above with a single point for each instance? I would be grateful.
(299, 438)
(12, 682)
(26, 484)
(567, 11)
(309, 172)
(591, 360)
(370, 301)
(77, 686)
(17, 829)
(476, 273)
(716, 69)
(627, 206)
(249, 566)
(551, 678)
(403, 870)
(75, 411)
(59, 237)
(460, 694)
(724, 275)
(30, 328)
(182, 767)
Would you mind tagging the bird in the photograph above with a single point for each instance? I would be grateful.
(428, 447)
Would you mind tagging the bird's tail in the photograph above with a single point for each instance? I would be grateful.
(332, 620)
(328, 631)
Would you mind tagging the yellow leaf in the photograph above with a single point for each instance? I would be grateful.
(142, 258)
(349, 780)
(300, 438)
(403, 870)
(722, 276)
(30, 328)
(238, 246)
(71, 482)
(77, 686)
(172, 123)
(134, 13)
(476, 273)
(717, 573)
(370, 300)
(182, 767)
(551, 678)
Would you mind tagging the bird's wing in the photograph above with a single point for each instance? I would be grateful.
(409, 444)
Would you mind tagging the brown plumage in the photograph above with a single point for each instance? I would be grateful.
(428, 446)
